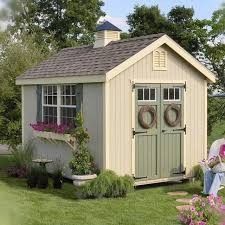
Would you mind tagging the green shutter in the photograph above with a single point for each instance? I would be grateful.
(79, 97)
(39, 103)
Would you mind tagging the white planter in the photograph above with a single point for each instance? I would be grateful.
(54, 137)
(79, 180)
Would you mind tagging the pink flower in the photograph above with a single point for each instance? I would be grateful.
(222, 151)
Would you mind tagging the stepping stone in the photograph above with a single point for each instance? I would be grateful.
(184, 200)
(183, 207)
(178, 193)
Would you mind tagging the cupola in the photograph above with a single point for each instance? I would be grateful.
(105, 33)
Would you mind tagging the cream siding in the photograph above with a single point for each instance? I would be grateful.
(120, 112)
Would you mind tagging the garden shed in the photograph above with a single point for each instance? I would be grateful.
(144, 102)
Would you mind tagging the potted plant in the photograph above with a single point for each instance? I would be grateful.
(42, 178)
(82, 164)
(32, 177)
(57, 175)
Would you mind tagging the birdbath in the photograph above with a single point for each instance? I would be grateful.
(42, 162)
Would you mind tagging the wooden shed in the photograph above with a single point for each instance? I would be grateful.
(144, 102)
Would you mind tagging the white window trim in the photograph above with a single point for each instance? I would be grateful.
(160, 68)
(172, 100)
(149, 95)
(58, 105)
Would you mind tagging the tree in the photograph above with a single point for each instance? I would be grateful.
(69, 22)
(146, 20)
(17, 54)
(179, 24)
(184, 29)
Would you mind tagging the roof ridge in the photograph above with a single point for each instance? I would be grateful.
(139, 38)
(77, 47)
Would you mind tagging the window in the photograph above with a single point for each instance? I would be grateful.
(159, 60)
(171, 94)
(147, 94)
(59, 104)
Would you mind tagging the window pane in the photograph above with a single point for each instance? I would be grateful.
(140, 94)
(146, 94)
(54, 90)
(171, 94)
(152, 94)
(67, 90)
(73, 100)
(165, 94)
(74, 90)
(45, 90)
(54, 100)
(49, 114)
(177, 93)
(67, 116)
(49, 90)
(50, 100)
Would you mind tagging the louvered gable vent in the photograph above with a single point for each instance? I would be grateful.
(159, 60)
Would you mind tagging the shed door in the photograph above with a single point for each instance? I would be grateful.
(159, 131)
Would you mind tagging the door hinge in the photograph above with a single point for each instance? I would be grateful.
(181, 129)
(138, 132)
(133, 86)
(144, 177)
(185, 86)
(182, 172)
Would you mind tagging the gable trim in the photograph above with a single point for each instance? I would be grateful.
(153, 46)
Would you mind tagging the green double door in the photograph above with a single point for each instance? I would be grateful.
(159, 130)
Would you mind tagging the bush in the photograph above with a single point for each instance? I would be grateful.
(199, 175)
(107, 184)
(22, 159)
(15, 171)
(22, 155)
(82, 162)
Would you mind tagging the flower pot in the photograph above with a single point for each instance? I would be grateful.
(42, 181)
(57, 182)
(32, 181)
(79, 180)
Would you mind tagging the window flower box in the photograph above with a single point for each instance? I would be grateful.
(55, 137)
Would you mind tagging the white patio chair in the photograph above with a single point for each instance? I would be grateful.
(214, 150)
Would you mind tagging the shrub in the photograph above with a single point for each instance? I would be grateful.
(82, 162)
(22, 155)
(22, 159)
(107, 184)
(20, 172)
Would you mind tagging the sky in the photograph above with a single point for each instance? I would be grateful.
(117, 10)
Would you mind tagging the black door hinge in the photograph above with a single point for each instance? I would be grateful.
(181, 173)
(138, 132)
(185, 86)
(181, 129)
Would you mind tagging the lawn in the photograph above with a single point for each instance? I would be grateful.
(146, 206)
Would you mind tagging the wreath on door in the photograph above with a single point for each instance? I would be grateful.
(153, 114)
(177, 110)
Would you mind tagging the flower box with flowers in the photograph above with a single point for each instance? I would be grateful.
(53, 132)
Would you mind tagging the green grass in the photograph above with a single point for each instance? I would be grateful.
(146, 206)
(218, 132)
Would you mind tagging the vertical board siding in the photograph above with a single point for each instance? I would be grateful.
(93, 119)
(120, 124)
